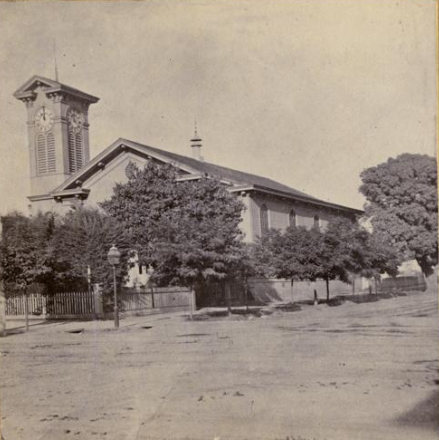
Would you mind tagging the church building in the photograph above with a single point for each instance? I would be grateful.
(63, 175)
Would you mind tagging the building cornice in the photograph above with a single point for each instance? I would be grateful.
(285, 195)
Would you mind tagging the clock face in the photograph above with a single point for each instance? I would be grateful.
(74, 119)
(44, 119)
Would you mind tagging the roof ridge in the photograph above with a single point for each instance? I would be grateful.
(195, 162)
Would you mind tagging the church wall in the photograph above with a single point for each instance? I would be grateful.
(247, 225)
(270, 289)
(103, 182)
(279, 211)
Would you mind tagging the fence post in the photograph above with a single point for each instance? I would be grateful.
(98, 300)
(152, 296)
(228, 298)
(26, 309)
(192, 303)
(2, 309)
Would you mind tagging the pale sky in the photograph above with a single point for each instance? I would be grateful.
(308, 93)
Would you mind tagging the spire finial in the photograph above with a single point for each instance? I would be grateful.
(196, 144)
(54, 60)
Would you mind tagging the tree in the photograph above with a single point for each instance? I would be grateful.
(25, 252)
(343, 248)
(296, 254)
(187, 230)
(354, 250)
(379, 258)
(402, 204)
(82, 238)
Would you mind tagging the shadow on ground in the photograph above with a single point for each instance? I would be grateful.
(424, 414)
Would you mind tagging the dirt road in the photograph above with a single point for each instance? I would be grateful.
(357, 371)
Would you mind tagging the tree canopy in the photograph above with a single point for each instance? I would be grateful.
(25, 253)
(402, 204)
(187, 230)
(83, 238)
(343, 248)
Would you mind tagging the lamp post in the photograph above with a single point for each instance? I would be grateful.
(114, 258)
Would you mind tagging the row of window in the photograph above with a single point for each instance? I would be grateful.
(292, 219)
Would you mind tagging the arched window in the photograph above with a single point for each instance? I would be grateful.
(51, 155)
(292, 219)
(75, 151)
(41, 154)
(45, 154)
(264, 220)
(317, 221)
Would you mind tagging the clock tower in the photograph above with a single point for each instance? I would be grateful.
(57, 125)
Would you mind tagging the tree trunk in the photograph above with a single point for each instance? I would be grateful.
(431, 281)
(228, 298)
(152, 297)
(292, 295)
(353, 285)
(327, 290)
(376, 286)
(246, 293)
(191, 303)
(26, 309)
(2, 309)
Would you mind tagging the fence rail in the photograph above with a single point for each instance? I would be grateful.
(70, 303)
(83, 304)
(16, 304)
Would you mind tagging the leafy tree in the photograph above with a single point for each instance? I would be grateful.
(356, 251)
(296, 254)
(83, 238)
(25, 252)
(343, 248)
(402, 204)
(188, 231)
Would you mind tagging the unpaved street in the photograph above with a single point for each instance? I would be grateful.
(357, 371)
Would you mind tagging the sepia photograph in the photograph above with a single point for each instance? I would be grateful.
(219, 220)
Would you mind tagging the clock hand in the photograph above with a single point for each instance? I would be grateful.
(44, 112)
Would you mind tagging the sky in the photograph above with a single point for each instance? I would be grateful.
(306, 92)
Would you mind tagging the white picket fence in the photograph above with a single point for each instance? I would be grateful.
(64, 303)
(16, 305)
(83, 304)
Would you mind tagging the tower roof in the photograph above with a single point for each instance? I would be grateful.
(27, 90)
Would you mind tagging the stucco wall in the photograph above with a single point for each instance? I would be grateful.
(267, 290)
(103, 182)
(279, 211)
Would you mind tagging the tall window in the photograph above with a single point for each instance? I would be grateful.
(317, 221)
(264, 220)
(75, 151)
(51, 158)
(46, 158)
(292, 219)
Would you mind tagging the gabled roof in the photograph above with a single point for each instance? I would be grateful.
(241, 181)
(51, 86)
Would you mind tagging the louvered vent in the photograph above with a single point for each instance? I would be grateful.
(78, 151)
(51, 155)
(72, 156)
(41, 154)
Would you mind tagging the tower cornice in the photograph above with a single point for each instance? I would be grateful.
(52, 89)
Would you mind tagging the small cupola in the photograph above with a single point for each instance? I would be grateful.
(196, 144)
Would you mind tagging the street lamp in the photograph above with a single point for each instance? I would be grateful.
(114, 259)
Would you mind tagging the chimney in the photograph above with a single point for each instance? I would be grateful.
(196, 145)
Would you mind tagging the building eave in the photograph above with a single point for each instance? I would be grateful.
(106, 156)
(310, 200)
